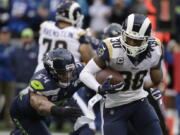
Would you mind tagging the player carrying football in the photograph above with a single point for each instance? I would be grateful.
(133, 54)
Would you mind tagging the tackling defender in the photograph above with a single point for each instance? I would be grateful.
(66, 33)
(49, 87)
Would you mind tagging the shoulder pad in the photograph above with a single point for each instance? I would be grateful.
(103, 51)
(36, 85)
(158, 42)
(155, 42)
(108, 44)
(81, 33)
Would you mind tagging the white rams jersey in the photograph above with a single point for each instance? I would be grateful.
(52, 37)
(132, 69)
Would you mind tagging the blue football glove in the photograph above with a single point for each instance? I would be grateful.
(156, 93)
(108, 88)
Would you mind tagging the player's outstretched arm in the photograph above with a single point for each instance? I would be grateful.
(41, 104)
(45, 107)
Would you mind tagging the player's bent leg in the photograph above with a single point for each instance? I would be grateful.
(152, 129)
(30, 127)
(145, 120)
(16, 132)
(131, 130)
(27, 125)
(113, 122)
(159, 108)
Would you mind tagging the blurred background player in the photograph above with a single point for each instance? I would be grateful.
(64, 33)
(50, 86)
(26, 52)
(129, 54)
(112, 30)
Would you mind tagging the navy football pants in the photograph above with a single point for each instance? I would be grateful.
(30, 127)
(140, 113)
(33, 125)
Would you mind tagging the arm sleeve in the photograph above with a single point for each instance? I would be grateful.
(87, 76)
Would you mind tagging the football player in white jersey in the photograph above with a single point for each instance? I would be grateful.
(133, 54)
(64, 33)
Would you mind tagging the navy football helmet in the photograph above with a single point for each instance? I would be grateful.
(70, 12)
(112, 30)
(60, 64)
(136, 30)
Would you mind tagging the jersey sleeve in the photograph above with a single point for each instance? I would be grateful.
(37, 86)
(104, 51)
(40, 82)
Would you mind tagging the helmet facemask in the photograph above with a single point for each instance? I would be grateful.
(65, 76)
(112, 30)
(60, 65)
(136, 30)
(139, 41)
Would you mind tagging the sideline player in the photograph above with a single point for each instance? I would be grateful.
(132, 54)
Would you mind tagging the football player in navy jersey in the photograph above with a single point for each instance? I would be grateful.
(65, 32)
(112, 30)
(48, 88)
(133, 54)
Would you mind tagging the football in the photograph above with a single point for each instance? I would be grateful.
(102, 75)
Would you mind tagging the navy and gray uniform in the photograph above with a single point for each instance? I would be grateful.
(26, 119)
(131, 103)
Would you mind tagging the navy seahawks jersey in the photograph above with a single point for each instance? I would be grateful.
(43, 84)
(133, 69)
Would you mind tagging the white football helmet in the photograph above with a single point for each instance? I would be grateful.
(135, 32)
(70, 12)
